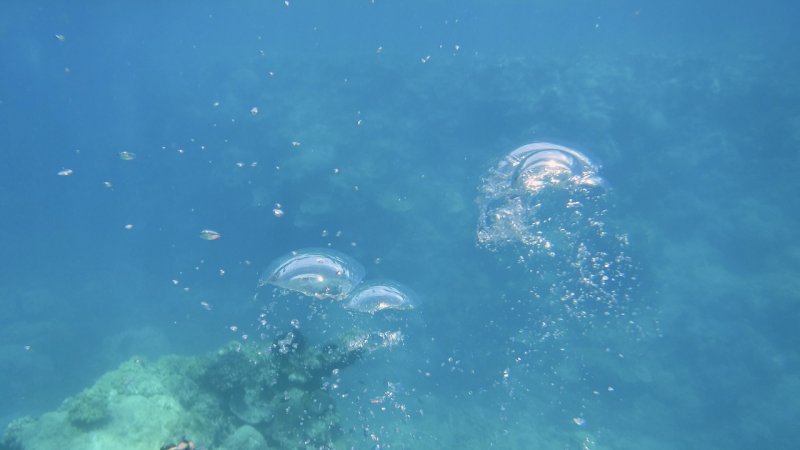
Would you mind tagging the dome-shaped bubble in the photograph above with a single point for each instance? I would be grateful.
(534, 166)
(517, 194)
(319, 273)
(380, 295)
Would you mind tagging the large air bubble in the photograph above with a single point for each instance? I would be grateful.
(381, 295)
(318, 273)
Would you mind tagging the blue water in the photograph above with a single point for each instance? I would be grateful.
(692, 110)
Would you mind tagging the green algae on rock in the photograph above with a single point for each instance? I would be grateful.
(89, 409)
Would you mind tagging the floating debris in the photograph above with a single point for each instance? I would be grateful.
(65, 173)
(210, 235)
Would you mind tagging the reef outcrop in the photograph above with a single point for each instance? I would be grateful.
(244, 395)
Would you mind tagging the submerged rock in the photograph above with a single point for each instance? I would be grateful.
(242, 396)
(134, 404)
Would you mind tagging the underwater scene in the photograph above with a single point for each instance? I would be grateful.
(384, 224)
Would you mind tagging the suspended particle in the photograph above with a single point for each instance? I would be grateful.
(127, 156)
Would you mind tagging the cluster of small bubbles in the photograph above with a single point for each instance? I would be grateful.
(371, 318)
(547, 203)
(286, 344)
(374, 341)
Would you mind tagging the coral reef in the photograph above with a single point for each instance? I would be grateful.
(278, 391)
(242, 396)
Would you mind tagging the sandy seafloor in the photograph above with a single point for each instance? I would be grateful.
(376, 124)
